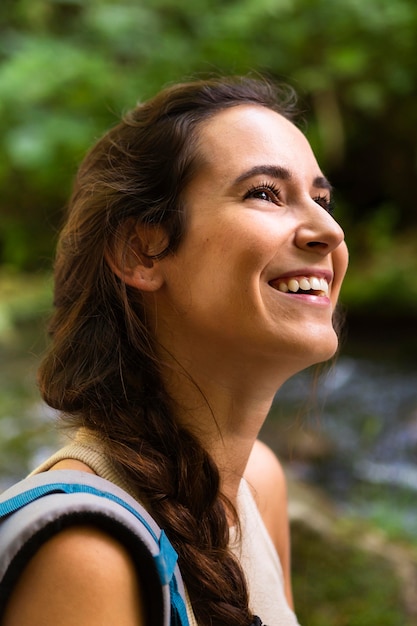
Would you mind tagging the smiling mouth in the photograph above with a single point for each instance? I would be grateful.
(310, 285)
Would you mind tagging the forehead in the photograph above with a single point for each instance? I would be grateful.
(245, 136)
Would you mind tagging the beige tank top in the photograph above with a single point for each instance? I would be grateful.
(255, 550)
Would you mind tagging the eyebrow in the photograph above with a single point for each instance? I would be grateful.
(276, 171)
(321, 182)
(280, 173)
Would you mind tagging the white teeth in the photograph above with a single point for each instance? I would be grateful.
(324, 285)
(313, 283)
(316, 284)
(293, 285)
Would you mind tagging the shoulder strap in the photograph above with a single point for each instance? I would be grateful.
(40, 506)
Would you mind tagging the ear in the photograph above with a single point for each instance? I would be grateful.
(130, 253)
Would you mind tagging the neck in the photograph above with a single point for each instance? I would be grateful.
(225, 408)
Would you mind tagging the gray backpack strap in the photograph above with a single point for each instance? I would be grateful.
(40, 506)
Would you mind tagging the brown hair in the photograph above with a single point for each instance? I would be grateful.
(102, 369)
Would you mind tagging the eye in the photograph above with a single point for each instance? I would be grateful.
(325, 203)
(268, 192)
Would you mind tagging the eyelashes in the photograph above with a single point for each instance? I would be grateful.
(326, 203)
(265, 191)
(269, 192)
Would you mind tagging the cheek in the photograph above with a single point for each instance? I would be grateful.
(233, 251)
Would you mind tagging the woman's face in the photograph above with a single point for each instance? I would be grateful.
(259, 270)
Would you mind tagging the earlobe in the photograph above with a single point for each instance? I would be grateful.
(131, 255)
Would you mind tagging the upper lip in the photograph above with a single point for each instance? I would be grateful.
(307, 272)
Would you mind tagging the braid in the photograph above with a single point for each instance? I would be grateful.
(180, 483)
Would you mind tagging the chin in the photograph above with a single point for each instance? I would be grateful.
(329, 350)
(320, 348)
(325, 343)
(328, 354)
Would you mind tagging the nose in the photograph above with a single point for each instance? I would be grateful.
(318, 230)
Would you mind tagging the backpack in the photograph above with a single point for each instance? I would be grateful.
(38, 507)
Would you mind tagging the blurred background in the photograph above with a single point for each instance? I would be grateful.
(68, 70)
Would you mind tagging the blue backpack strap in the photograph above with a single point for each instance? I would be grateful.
(40, 506)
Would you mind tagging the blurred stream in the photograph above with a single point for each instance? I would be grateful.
(356, 433)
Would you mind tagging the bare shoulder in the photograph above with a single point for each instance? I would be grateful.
(265, 475)
(79, 577)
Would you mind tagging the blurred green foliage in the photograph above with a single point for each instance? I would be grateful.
(338, 583)
(69, 68)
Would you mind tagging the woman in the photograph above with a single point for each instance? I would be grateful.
(198, 269)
